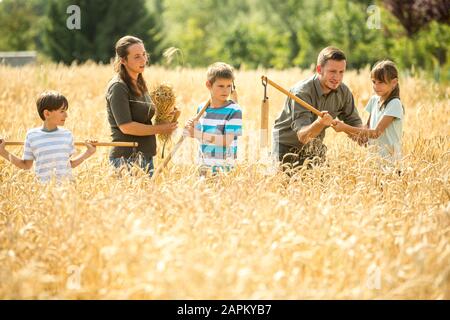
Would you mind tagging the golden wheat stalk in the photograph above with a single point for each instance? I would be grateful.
(360, 230)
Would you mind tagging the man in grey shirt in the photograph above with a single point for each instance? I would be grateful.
(297, 131)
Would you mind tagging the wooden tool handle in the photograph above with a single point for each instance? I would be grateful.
(178, 144)
(81, 143)
(294, 97)
(202, 111)
(264, 125)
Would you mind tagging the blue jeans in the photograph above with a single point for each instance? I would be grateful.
(145, 163)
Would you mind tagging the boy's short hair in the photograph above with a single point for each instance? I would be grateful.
(50, 100)
(219, 70)
(330, 53)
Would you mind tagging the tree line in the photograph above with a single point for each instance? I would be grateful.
(245, 33)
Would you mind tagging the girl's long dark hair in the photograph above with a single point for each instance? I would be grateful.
(122, 52)
(386, 71)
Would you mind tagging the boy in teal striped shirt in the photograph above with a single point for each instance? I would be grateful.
(218, 129)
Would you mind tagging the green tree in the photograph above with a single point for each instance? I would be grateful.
(102, 23)
(202, 29)
(20, 24)
(414, 15)
(288, 17)
(346, 23)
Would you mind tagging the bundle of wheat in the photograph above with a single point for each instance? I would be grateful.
(164, 99)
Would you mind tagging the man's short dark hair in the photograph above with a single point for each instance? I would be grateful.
(50, 100)
(330, 53)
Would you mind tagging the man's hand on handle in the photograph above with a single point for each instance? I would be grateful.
(326, 119)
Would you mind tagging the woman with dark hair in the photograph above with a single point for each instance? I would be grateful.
(130, 109)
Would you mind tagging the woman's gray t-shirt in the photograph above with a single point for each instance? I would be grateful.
(124, 107)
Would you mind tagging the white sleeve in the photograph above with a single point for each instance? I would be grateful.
(72, 145)
(27, 150)
(369, 105)
(394, 109)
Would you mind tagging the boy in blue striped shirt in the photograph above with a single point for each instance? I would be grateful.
(50, 146)
(218, 129)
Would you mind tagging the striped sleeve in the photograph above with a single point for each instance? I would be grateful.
(72, 145)
(233, 125)
(198, 125)
(27, 151)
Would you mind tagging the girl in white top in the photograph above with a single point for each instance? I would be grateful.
(385, 124)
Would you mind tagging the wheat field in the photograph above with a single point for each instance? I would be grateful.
(350, 229)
